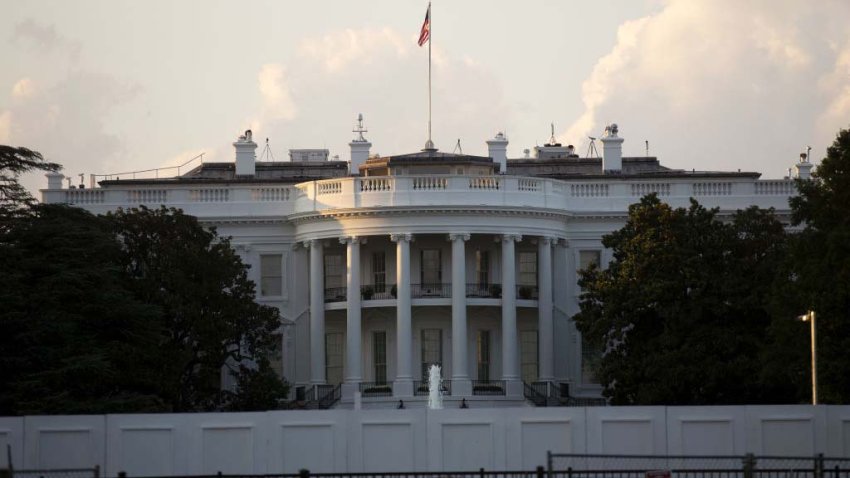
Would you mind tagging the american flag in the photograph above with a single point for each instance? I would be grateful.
(425, 33)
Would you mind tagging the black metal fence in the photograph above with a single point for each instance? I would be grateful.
(437, 290)
(57, 473)
(376, 389)
(746, 466)
(423, 387)
(488, 387)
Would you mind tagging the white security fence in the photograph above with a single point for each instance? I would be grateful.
(412, 439)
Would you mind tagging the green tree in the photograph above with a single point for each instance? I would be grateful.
(680, 311)
(14, 162)
(821, 265)
(73, 338)
(206, 301)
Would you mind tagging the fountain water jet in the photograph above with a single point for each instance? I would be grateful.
(435, 388)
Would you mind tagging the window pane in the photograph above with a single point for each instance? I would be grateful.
(379, 271)
(270, 275)
(379, 352)
(484, 355)
(431, 273)
(482, 267)
(528, 268)
(590, 357)
(528, 352)
(334, 352)
(586, 258)
(432, 349)
(334, 271)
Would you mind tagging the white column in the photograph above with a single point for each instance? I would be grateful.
(353, 331)
(461, 384)
(545, 326)
(510, 361)
(403, 385)
(317, 311)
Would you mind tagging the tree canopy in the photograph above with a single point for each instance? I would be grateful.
(14, 198)
(682, 310)
(140, 311)
(821, 258)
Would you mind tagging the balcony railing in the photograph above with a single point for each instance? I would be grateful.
(526, 292)
(336, 294)
(423, 387)
(378, 292)
(484, 291)
(376, 389)
(430, 291)
(488, 387)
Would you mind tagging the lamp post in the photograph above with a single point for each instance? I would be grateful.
(810, 317)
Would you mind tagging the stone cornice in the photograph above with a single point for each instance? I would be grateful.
(426, 210)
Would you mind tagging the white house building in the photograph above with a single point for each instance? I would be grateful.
(382, 266)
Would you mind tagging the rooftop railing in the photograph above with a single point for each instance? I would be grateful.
(595, 195)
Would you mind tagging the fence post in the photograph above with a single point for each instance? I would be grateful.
(819, 465)
(569, 472)
(304, 473)
(122, 474)
(549, 463)
(540, 471)
(96, 471)
(749, 465)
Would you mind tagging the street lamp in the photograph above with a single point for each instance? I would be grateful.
(810, 317)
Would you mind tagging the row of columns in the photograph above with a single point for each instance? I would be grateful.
(403, 383)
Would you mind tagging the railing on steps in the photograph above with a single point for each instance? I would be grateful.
(328, 395)
(536, 392)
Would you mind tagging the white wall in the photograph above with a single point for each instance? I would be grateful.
(407, 440)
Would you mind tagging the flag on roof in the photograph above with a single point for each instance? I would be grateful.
(425, 33)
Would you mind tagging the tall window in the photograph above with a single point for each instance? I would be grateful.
(276, 356)
(484, 355)
(431, 271)
(482, 267)
(271, 275)
(334, 351)
(334, 271)
(527, 269)
(432, 350)
(590, 357)
(379, 271)
(528, 353)
(586, 258)
(379, 352)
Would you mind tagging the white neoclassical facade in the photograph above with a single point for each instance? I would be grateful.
(382, 266)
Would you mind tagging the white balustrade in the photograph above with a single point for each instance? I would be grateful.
(429, 183)
(209, 195)
(147, 196)
(376, 184)
(270, 194)
(84, 196)
(583, 190)
(329, 187)
(528, 184)
(485, 182)
(642, 189)
(778, 187)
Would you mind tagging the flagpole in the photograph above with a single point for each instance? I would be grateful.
(430, 144)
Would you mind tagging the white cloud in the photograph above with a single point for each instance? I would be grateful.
(5, 127)
(277, 97)
(717, 82)
(23, 88)
(337, 50)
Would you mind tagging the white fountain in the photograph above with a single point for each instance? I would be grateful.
(435, 388)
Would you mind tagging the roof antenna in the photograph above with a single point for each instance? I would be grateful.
(647, 147)
(267, 152)
(458, 148)
(359, 129)
(591, 148)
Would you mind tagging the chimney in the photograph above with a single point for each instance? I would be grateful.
(612, 150)
(359, 147)
(804, 167)
(54, 180)
(245, 157)
(497, 148)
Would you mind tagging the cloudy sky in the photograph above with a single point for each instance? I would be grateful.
(106, 86)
